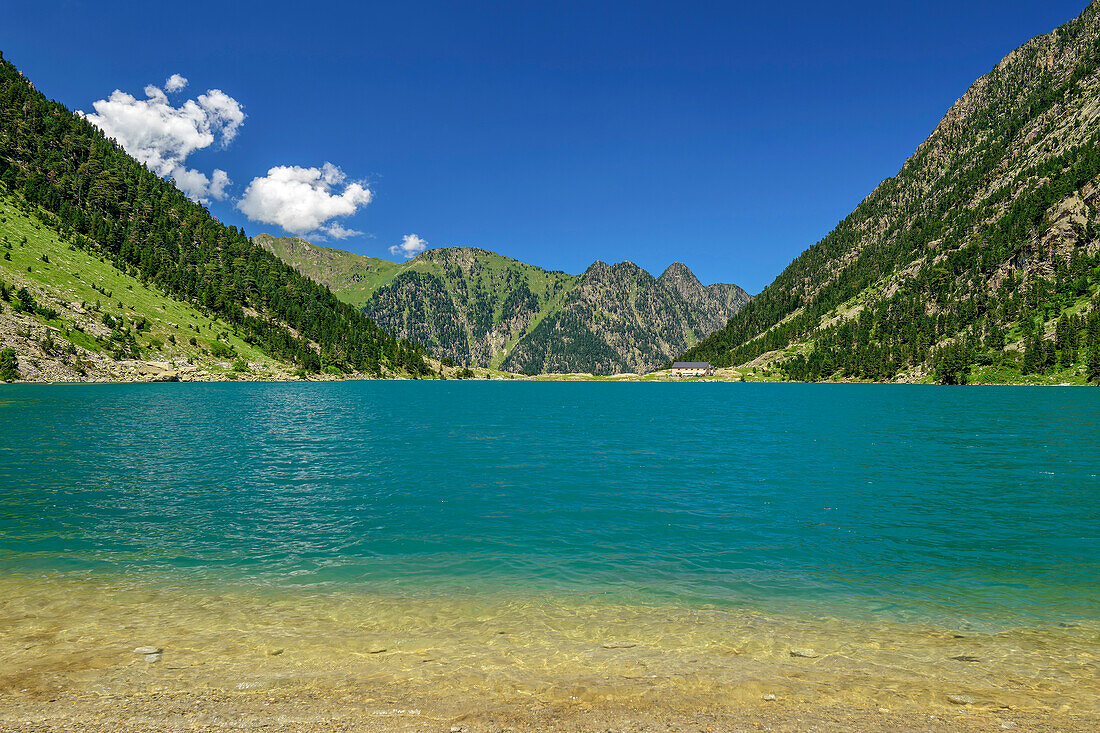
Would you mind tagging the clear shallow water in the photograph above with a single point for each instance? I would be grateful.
(901, 503)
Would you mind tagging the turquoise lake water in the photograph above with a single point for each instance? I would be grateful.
(909, 502)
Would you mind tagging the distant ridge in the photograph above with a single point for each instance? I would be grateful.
(480, 308)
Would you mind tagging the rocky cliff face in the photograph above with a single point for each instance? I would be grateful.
(482, 309)
(979, 254)
(619, 318)
(713, 304)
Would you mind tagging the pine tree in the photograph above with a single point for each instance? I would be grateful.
(995, 341)
(1032, 355)
(1094, 364)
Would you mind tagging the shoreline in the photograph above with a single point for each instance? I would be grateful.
(146, 372)
(532, 378)
(75, 654)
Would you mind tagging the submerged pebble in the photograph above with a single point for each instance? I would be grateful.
(154, 657)
(803, 652)
(960, 699)
(769, 697)
(148, 650)
(619, 645)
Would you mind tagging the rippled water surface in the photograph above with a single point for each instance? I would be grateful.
(893, 502)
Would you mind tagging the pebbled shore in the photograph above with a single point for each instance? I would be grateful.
(77, 656)
(371, 709)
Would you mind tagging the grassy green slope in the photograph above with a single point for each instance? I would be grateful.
(84, 290)
(465, 303)
(354, 278)
(351, 277)
(493, 278)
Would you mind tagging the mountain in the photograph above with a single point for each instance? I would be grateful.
(352, 277)
(65, 185)
(619, 318)
(482, 309)
(977, 261)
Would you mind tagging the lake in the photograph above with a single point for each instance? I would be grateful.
(583, 522)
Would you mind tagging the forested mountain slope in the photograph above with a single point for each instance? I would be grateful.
(479, 308)
(978, 259)
(60, 169)
(467, 304)
(619, 318)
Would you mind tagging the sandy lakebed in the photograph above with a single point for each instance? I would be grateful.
(112, 657)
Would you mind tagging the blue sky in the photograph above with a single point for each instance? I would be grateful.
(729, 136)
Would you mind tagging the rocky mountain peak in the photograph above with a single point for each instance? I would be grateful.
(597, 270)
(446, 253)
(681, 279)
(677, 270)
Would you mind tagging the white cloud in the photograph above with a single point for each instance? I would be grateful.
(198, 187)
(163, 136)
(223, 113)
(175, 83)
(193, 183)
(219, 181)
(302, 201)
(411, 245)
(337, 231)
